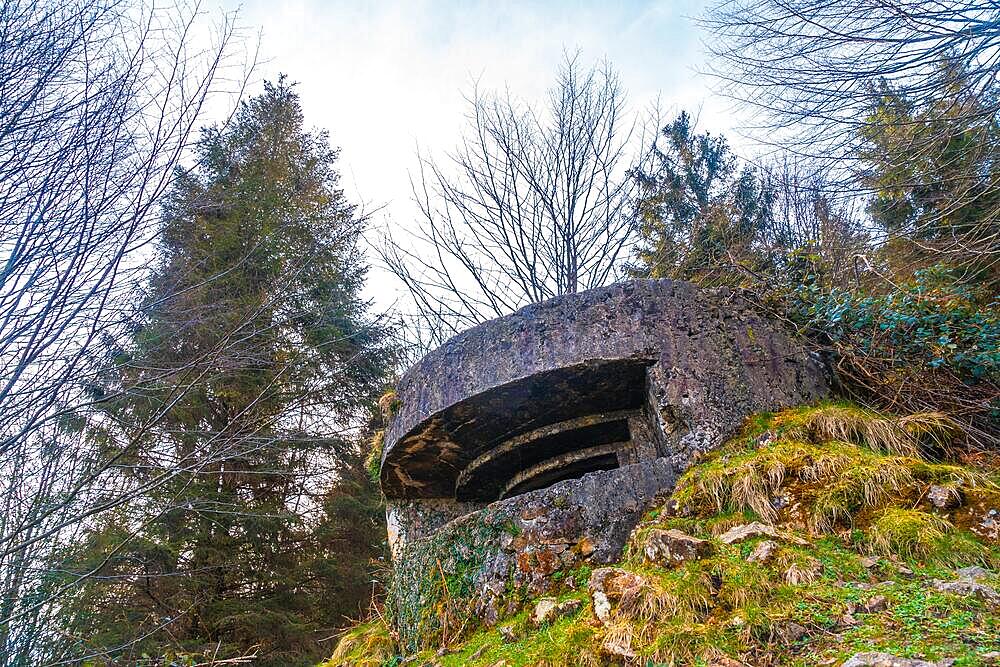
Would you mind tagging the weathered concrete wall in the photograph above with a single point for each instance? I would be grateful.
(513, 549)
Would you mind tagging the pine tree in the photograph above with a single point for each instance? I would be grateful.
(934, 169)
(233, 411)
(700, 217)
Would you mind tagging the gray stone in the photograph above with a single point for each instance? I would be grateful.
(972, 573)
(763, 552)
(969, 588)
(875, 659)
(602, 606)
(945, 497)
(738, 534)
(548, 610)
(669, 547)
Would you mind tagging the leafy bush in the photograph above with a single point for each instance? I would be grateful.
(932, 320)
(931, 344)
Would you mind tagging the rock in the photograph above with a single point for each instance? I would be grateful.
(875, 659)
(868, 562)
(545, 611)
(619, 649)
(803, 574)
(969, 588)
(602, 606)
(945, 497)
(972, 573)
(781, 502)
(672, 546)
(875, 605)
(507, 634)
(989, 525)
(549, 609)
(763, 552)
(611, 583)
(614, 581)
(790, 632)
(738, 534)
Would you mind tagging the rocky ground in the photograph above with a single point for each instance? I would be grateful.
(826, 535)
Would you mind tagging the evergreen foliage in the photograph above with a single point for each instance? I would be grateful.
(699, 213)
(234, 411)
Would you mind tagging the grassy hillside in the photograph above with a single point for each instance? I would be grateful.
(857, 525)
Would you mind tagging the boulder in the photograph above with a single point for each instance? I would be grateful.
(668, 547)
(745, 532)
(969, 588)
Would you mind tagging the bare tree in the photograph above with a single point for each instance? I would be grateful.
(847, 84)
(98, 101)
(813, 67)
(533, 204)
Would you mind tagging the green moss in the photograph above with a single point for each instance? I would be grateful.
(373, 462)
(434, 581)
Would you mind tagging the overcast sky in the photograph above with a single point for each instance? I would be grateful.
(385, 77)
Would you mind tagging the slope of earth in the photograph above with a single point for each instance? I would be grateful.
(823, 535)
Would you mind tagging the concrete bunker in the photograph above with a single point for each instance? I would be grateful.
(603, 382)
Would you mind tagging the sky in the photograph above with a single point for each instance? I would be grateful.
(385, 78)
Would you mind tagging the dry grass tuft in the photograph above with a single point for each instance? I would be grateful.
(847, 459)
(903, 436)
(848, 479)
(367, 645)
